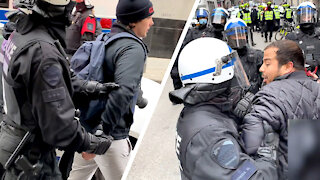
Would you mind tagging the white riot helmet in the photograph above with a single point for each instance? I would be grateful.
(217, 65)
(219, 16)
(307, 13)
(236, 32)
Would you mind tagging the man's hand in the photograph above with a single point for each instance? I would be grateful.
(87, 156)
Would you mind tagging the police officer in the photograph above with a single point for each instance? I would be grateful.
(288, 13)
(251, 59)
(277, 17)
(268, 21)
(84, 26)
(203, 30)
(308, 36)
(38, 90)
(246, 16)
(208, 144)
(219, 18)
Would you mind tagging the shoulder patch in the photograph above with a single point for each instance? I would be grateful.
(52, 74)
(245, 171)
(53, 95)
(226, 154)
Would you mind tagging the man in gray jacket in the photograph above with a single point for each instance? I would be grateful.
(289, 94)
(124, 63)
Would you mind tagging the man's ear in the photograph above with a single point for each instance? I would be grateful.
(289, 67)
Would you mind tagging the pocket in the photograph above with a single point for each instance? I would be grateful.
(128, 148)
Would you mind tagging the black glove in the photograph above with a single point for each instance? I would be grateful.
(95, 89)
(99, 145)
(244, 105)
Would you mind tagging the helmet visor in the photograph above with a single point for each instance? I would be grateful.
(219, 17)
(306, 15)
(233, 60)
(237, 37)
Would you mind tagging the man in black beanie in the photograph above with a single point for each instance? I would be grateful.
(124, 63)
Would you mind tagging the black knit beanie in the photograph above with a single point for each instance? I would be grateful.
(131, 11)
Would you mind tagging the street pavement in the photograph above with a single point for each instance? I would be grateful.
(156, 158)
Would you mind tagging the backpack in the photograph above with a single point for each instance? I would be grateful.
(87, 63)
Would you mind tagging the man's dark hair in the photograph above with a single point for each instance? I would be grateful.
(288, 51)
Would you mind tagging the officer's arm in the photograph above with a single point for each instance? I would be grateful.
(129, 63)
(51, 102)
(265, 108)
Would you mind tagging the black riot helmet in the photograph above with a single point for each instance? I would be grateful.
(47, 8)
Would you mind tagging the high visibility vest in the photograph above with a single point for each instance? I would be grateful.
(247, 18)
(268, 15)
(277, 14)
(288, 13)
(261, 15)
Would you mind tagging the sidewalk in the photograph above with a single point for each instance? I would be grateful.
(156, 68)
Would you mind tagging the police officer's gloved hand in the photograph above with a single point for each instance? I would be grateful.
(95, 89)
(99, 144)
(244, 105)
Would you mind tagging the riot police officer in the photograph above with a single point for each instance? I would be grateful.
(208, 144)
(308, 36)
(251, 59)
(219, 18)
(203, 30)
(38, 91)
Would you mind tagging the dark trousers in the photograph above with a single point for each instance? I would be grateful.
(268, 28)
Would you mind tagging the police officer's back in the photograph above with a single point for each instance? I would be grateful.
(38, 90)
(208, 144)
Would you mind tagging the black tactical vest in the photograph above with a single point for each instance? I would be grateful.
(17, 106)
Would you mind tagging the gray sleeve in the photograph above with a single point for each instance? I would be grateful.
(129, 63)
(266, 107)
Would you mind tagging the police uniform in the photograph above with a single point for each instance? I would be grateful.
(288, 14)
(268, 19)
(38, 92)
(208, 146)
(84, 27)
(251, 60)
(309, 41)
(246, 16)
(194, 33)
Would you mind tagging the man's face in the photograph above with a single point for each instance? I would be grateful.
(142, 27)
(239, 36)
(306, 18)
(270, 68)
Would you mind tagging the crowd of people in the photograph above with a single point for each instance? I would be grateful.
(239, 101)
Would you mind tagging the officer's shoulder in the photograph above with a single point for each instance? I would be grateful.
(294, 35)
(317, 31)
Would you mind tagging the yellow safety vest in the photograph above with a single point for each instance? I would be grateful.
(288, 13)
(277, 14)
(268, 15)
(261, 15)
(239, 14)
(247, 18)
